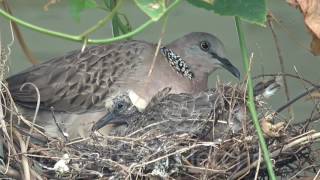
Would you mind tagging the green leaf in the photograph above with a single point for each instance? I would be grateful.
(77, 6)
(153, 8)
(206, 4)
(253, 11)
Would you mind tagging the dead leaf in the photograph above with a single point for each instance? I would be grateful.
(315, 46)
(293, 3)
(311, 12)
(272, 130)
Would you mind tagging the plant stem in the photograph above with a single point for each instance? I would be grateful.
(251, 103)
(121, 37)
(39, 29)
(102, 21)
(136, 31)
(80, 38)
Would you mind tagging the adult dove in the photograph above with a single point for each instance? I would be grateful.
(74, 88)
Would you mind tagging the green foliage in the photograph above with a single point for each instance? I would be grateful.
(77, 6)
(153, 8)
(250, 10)
(115, 19)
(120, 23)
(253, 11)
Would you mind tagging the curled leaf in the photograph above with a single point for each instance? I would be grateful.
(153, 8)
(253, 11)
(311, 12)
(270, 129)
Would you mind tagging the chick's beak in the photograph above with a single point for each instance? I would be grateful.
(110, 118)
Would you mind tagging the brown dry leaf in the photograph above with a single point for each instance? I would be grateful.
(272, 130)
(315, 45)
(293, 3)
(311, 12)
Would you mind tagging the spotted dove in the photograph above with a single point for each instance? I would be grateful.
(74, 88)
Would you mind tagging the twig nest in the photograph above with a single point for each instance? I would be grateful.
(157, 145)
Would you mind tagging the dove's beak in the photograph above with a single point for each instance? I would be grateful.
(226, 64)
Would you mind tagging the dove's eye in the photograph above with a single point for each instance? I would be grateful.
(204, 45)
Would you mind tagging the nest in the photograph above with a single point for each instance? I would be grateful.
(152, 154)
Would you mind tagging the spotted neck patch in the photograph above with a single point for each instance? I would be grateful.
(178, 64)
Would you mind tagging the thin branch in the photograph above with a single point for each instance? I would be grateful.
(317, 175)
(16, 110)
(102, 21)
(80, 38)
(179, 151)
(288, 75)
(258, 165)
(158, 45)
(36, 111)
(24, 159)
(65, 135)
(10, 172)
(291, 34)
(311, 97)
(301, 171)
(307, 92)
(281, 61)
(32, 59)
(298, 142)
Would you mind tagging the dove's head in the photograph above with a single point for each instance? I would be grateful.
(204, 53)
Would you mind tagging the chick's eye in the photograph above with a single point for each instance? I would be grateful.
(204, 45)
(120, 106)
